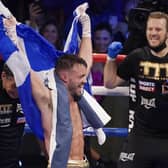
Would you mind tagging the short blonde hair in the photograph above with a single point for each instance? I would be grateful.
(159, 15)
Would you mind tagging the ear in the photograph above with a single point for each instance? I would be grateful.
(64, 76)
(3, 75)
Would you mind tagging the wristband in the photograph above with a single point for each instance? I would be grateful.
(110, 59)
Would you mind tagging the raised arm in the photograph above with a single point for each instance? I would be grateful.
(111, 79)
(40, 93)
(85, 50)
(42, 96)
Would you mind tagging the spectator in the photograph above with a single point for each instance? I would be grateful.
(119, 29)
(102, 37)
(36, 15)
(50, 31)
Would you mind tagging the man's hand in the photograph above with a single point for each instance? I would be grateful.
(10, 26)
(81, 9)
(114, 49)
(10, 22)
(84, 19)
(35, 11)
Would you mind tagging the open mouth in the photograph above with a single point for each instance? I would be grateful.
(154, 41)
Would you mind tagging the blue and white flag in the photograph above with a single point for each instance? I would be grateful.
(36, 54)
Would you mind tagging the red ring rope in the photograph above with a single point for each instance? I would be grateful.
(99, 57)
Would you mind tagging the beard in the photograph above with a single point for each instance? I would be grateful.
(77, 97)
(159, 48)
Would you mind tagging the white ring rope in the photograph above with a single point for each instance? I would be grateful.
(118, 91)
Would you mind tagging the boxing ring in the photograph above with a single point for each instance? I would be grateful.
(101, 90)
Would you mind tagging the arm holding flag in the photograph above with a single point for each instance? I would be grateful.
(42, 96)
(85, 52)
(85, 49)
(40, 93)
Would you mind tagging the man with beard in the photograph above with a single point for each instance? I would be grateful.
(72, 71)
(70, 76)
(147, 71)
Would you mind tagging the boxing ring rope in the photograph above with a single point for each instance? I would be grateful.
(101, 90)
(119, 132)
(99, 57)
(118, 91)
